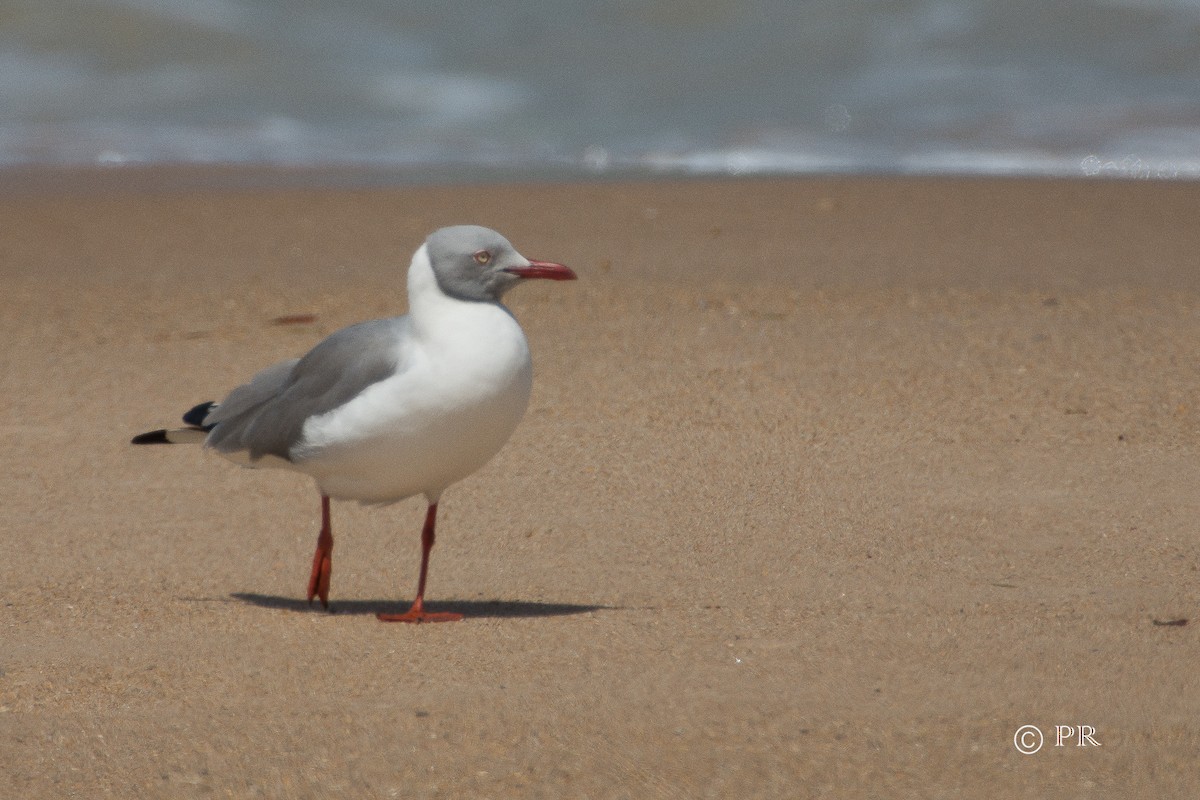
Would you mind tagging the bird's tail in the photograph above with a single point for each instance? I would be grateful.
(195, 432)
(172, 436)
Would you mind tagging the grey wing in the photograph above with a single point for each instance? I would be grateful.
(262, 387)
(266, 416)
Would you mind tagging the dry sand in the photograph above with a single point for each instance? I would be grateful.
(827, 487)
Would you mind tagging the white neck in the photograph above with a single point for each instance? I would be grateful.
(422, 283)
(426, 300)
(431, 309)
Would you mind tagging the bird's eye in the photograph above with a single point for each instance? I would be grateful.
(483, 257)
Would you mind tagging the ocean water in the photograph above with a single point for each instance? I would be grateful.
(681, 87)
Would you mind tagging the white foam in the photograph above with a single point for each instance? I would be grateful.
(930, 86)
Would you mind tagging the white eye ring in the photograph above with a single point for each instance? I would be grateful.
(483, 257)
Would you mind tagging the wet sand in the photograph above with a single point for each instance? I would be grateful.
(827, 487)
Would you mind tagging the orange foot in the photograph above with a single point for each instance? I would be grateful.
(418, 614)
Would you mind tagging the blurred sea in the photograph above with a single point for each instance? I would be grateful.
(524, 88)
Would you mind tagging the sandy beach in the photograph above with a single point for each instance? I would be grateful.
(827, 488)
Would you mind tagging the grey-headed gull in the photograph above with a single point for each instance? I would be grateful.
(392, 408)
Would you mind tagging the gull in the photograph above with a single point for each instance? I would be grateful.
(392, 408)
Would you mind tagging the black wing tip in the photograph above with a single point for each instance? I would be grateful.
(195, 416)
(151, 437)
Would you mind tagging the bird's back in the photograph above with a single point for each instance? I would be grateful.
(266, 416)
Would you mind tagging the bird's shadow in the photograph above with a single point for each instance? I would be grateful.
(477, 609)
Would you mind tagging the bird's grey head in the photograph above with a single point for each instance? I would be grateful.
(475, 263)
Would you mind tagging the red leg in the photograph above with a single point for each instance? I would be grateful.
(322, 568)
(417, 612)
